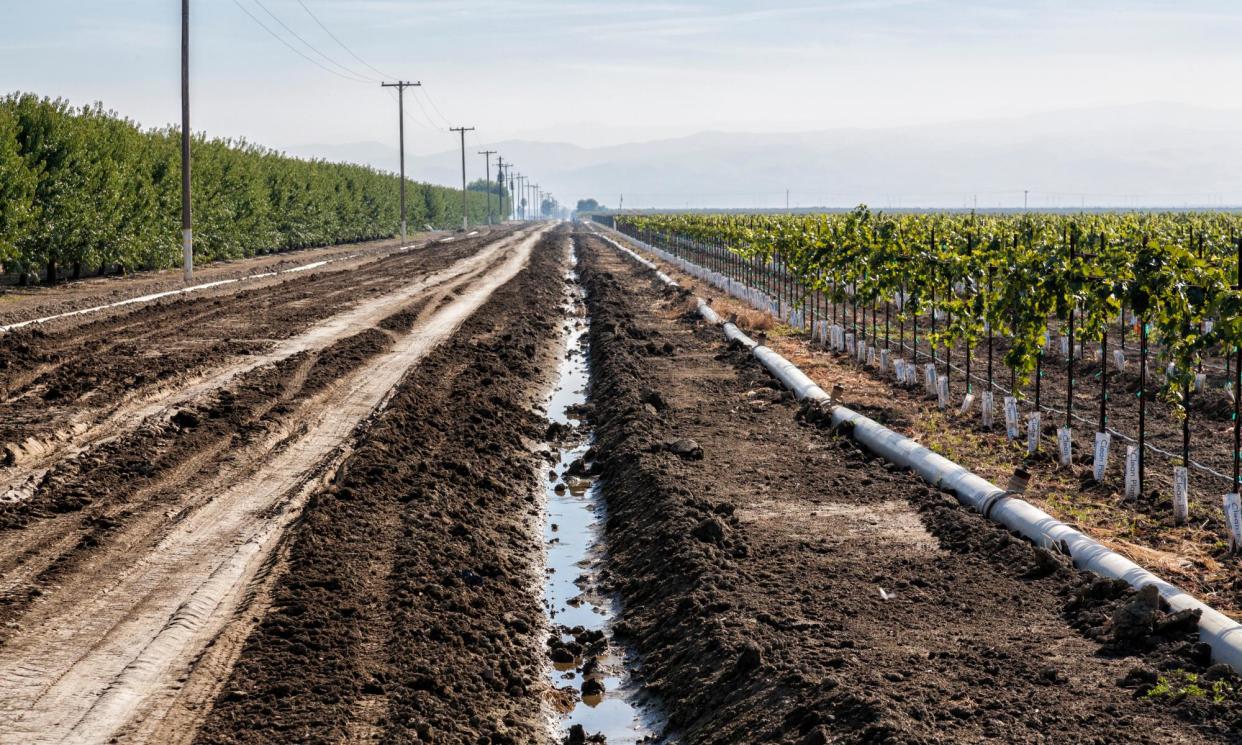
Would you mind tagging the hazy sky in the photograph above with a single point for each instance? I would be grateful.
(556, 70)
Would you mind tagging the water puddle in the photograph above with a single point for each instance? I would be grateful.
(587, 669)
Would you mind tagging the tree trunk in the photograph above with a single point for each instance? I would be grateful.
(51, 272)
(77, 270)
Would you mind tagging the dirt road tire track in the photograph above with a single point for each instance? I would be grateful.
(82, 664)
(407, 610)
(117, 481)
(54, 377)
(751, 578)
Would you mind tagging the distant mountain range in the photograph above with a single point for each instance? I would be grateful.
(1142, 155)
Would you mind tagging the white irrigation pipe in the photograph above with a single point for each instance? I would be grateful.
(1222, 633)
(186, 290)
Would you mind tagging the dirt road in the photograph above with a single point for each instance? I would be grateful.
(161, 505)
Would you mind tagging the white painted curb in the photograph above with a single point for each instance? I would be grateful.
(1219, 631)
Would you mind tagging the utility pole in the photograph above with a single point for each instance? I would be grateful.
(500, 187)
(187, 231)
(465, 219)
(515, 185)
(537, 208)
(515, 179)
(401, 85)
(1025, 193)
(487, 176)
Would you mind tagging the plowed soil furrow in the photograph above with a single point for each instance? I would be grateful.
(783, 586)
(408, 609)
(101, 649)
(50, 374)
(78, 427)
(24, 304)
(146, 470)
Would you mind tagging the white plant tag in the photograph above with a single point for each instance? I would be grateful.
(884, 355)
(1119, 360)
(1233, 518)
(1065, 445)
(1181, 494)
(1103, 440)
(1200, 382)
(942, 392)
(1208, 325)
(986, 409)
(1132, 472)
(967, 401)
(1032, 433)
(1012, 429)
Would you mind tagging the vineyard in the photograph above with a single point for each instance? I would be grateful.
(1123, 326)
(85, 191)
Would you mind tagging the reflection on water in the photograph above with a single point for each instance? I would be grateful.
(586, 665)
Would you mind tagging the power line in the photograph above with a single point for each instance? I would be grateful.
(294, 49)
(351, 52)
(313, 48)
(427, 117)
(435, 108)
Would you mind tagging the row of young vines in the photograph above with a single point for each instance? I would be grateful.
(83, 190)
(1000, 289)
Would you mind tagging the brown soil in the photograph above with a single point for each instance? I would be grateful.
(783, 586)
(24, 303)
(1194, 555)
(409, 611)
(51, 375)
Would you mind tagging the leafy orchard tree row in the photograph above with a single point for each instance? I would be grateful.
(84, 190)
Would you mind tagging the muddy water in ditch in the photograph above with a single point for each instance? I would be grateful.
(587, 667)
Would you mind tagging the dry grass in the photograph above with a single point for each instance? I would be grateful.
(748, 319)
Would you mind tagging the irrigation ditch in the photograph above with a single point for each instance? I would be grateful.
(594, 693)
